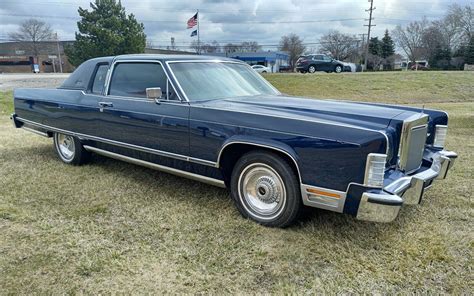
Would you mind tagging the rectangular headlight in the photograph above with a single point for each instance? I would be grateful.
(375, 170)
(440, 136)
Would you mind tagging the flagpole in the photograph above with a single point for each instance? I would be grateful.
(199, 40)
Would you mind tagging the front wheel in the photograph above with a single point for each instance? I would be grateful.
(70, 149)
(312, 69)
(265, 189)
(338, 69)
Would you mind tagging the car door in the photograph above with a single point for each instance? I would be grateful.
(128, 118)
(328, 65)
(321, 63)
(318, 61)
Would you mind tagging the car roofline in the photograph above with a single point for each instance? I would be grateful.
(172, 57)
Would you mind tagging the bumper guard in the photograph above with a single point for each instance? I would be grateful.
(383, 206)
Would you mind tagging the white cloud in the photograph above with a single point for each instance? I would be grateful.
(233, 20)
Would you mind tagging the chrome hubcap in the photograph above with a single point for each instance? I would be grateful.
(338, 69)
(65, 146)
(312, 69)
(262, 191)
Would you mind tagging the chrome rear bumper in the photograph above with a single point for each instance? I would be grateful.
(383, 206)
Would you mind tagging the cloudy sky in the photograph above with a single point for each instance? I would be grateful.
(226, 21)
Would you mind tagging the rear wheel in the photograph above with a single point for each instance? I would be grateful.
(266, 189)
(312, 69)
(70, 149)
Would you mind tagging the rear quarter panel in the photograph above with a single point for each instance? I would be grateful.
(60, 108)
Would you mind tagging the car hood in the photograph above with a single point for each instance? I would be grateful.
(308, 109)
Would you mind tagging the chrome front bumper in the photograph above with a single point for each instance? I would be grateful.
(384, 205)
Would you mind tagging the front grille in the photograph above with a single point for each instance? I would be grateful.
(412, 142)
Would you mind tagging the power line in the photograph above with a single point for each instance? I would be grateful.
(370, 10)
(237, 42)
(124, 3)
(212, 22)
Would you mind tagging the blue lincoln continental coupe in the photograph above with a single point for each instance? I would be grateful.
(217, 121)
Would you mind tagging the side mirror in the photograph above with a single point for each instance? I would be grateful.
(153, 93)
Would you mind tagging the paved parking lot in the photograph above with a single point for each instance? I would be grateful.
(10, 81)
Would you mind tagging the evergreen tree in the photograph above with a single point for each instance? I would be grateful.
(375, 46)
(388, 46)
(441, 57)
(106, 30)
(469, 52)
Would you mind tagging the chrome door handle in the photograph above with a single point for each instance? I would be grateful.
(105, 104)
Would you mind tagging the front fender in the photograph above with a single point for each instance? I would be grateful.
(265, 143)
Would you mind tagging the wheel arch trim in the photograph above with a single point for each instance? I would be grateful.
(290, 153)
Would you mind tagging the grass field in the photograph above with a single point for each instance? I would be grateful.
(111, 227)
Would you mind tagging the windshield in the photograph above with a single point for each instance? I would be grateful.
(211, 80)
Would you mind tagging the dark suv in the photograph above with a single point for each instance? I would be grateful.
(318, 62)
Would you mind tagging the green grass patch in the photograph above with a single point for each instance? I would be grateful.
(6, 102)
(114, 228)
(393, 87)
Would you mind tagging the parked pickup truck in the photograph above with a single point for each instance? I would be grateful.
(217, 121)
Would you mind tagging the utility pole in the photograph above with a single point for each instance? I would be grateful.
(59, 54)
(362, 37)
(361, 49)
(173, 45)
(370, 10)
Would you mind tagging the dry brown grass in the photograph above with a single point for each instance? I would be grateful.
(112, 227)
(394, 87)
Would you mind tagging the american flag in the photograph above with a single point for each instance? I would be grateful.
(193, 21)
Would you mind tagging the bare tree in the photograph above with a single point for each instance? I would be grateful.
(434, 41)
(374, 61)
(216, 46)
(292, 44)
(205, 47)
(230, 48)
(246, 46)
(463, 17)
(410, 38)
(250, 46)
(209, 48)
(451, 33)
(195, 46)
(31, 32)
(341, 46)
(149, 44)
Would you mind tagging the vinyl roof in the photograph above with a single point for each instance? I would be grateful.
(80, 79)
(170, 57)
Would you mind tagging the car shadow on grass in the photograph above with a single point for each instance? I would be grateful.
(312, 219)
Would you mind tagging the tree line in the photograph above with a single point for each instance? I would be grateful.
(445, 43)
(107, 30)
